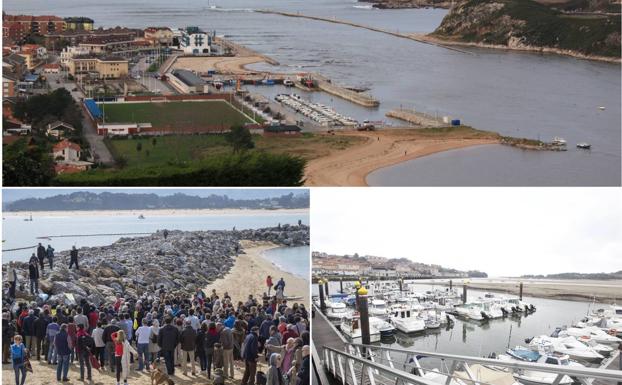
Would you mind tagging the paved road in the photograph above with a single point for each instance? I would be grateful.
(98, 147)
(151, 83)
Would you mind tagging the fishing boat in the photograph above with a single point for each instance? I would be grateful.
(407, 321)
(567, 345)
(378, 307)
(141, 216)
(558, 141)
(351, 328)
(583, 145)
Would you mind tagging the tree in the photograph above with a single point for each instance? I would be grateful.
(240, 138)
(25, 165)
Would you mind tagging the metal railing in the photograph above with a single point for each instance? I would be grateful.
(383, 356)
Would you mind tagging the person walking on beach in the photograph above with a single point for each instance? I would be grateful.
(108, 331)
(41, 254)
(249, 354)
(143, 334)
(74, 258)
(33, 274)
(84, 347)
(122, 352)
(61, 343)
(12, 278)
(168, 338)
(100, 345)
(269, 284)
(211, 339)
(49, 252)
(281, 285)
(18, 359)
(50, 333)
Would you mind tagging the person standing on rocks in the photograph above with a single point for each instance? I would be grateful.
(269, 284)
(73, 258)
(168, 338)
(33, 274)
(12, 278)
(50, 254)
(41, 254)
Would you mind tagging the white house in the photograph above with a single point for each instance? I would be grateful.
(66, 151)
(70, 52)
(59, 129)
(193, 41)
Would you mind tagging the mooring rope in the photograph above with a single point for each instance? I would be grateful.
(75, 236)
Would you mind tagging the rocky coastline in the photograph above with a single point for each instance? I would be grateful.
(131, 267)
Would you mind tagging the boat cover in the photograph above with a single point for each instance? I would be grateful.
(485, 375)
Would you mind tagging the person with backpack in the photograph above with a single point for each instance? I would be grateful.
(275, 375)
(249, 355)
(18, 359)
(84, 347)
(49, 252)
(188, 339)
(61, 343)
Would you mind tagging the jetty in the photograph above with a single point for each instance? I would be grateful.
(416, 38)
(416, 117)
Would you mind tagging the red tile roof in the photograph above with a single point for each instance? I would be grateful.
(66, 144)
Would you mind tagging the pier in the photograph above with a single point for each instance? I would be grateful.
(416, 117)
(412, 37)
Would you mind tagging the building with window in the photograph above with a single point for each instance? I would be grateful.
(16, 27)
(99, 67)
(193, 41)
(79, 23)
(159, 35)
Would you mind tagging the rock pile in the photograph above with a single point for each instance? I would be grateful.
(131, 267)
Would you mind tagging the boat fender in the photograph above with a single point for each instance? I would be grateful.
(613, 332)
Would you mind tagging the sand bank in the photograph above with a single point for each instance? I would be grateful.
(248, 276)
(148, 213)
(380, 149)
(227, 65)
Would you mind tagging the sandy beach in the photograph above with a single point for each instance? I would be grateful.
(249, 273)
(146, 213)
(234, 65)
(380, 149)
(572, 290)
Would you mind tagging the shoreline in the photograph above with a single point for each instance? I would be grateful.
(153, 212)
(350, 167)
(529, 49)
(248, 275)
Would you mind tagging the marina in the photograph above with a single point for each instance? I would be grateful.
(530, 325)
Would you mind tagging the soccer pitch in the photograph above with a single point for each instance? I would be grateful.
(173, 115)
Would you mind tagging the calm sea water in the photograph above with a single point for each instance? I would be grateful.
(291, 259)
(519, 94)
(17, 233)
(481, 339)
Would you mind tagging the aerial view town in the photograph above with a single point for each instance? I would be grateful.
(223, 95)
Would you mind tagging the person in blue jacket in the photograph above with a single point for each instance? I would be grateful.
(61, 343)
(18, 358)
(250, 349)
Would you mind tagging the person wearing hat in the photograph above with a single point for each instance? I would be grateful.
(250, 349)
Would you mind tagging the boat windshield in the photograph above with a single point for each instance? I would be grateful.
(564, 361)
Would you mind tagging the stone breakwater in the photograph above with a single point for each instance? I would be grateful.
(131, 267)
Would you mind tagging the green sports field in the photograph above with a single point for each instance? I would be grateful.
(203, 114)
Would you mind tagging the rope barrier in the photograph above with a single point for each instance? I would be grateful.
(20, 248)
(74, 236)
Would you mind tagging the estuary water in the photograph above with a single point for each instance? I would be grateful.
(519, 94)
(17, 233)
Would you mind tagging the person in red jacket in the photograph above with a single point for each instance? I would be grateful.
(93, 318)
(269, 283)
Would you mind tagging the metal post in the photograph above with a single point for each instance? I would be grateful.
(520, 291)
(326, 288)
(464, 293)
(322, 303)
(364, 314)
(451, 284)
(341, 285)
(401, 281)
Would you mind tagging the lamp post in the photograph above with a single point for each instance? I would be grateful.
(321, 287)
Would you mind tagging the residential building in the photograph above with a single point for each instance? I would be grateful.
(66, 151)
(54, 40)
(15, 64)
(16, 27)
(39, 52)
(382, 272)
(8, 86)
(59, 129)
(51, 68)
(282, 130)
(194, 41)
(79, 23)
(29, 59)
(159, 35)
(69, 52)
(99, 67)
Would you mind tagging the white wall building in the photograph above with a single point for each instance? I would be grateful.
(193, 41)
(70, 52)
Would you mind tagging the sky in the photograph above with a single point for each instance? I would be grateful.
(502, 231)
(10, 195)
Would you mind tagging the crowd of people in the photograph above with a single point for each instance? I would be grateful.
(200, 334)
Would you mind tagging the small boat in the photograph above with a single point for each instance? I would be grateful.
(385, 328)
(29, 219)
(141, 216)
(559, 141)
(407, 321)
(592, 333)
(351, 327)
(583, 145)
(288, 83)
(532, 377)
(602, 108)
(566, 345)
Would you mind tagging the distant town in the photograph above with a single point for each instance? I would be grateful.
(355, 266)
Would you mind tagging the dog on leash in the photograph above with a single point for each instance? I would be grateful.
(219, 379)
(158, 377)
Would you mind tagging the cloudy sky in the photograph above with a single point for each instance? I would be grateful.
(502, 231)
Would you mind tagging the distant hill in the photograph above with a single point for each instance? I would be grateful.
(595, 276)
(88, 201)
(579, 27)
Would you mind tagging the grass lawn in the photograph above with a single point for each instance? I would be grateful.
(184, 148)
(175, 114)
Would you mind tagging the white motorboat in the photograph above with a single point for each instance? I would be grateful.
(567, 345)
(558, 141)
(384, 327)
(584, 145)
(590, 333)
(407, 321)
(288, 83)
(337, 310)
(532, 377)
(378, 307)
(473, 374)
(351, 328)
(470, 311)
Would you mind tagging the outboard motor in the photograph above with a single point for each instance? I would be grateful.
(493, 355)
(485, 315)
(533, 308)
(505, 312)
(528, 340)
(555, 333)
